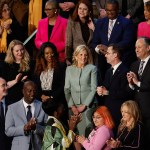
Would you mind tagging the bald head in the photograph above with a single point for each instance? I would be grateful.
(29, 91)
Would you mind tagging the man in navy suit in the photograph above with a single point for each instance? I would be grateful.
(122, 33)
(139, 82)
(113, 89)
(5, 142)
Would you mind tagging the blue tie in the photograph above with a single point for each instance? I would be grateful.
(29, 114)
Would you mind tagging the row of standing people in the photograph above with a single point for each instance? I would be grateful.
(81, 80)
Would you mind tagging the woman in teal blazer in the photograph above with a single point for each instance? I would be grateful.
(80, 87)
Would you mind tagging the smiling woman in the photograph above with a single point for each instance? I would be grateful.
(16, 69)
(52, 29)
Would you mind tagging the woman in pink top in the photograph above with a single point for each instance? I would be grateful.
(101, 133)
(144, 27)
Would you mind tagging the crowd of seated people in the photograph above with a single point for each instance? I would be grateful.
(93, 73)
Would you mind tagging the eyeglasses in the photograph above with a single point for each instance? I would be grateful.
(48, 9)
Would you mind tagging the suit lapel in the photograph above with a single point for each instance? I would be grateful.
(37, 109)
(115, 29)
(56, 26)
(106, 24)
(146, 68)
(21, 111)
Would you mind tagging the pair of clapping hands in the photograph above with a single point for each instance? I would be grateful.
(132, 78)
(78, 109)
(30, 126)
(101, 91)
(112, 143)
(73, 121)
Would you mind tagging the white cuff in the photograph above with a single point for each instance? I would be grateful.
(97, 50)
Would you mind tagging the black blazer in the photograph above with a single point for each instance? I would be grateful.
(142, 94)
(116, 85)
(5, 142)
(57, 84)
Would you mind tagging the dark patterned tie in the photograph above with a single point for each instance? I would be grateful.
(141, 69)
(29, 114)
(2, 111)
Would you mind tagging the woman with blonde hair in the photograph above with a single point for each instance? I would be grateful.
(130, 131)
(15, 69)
(102, 132)
(80, 87)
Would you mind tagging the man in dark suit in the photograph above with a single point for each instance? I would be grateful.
(113, 29)
(5, 142)
(25, 120)
(114, 86)
(139, 82)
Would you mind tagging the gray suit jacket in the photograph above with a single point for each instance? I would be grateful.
(74, 38)
(80, 85)
(14, 126)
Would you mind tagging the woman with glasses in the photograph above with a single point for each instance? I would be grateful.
(52, 29)
(102, 131)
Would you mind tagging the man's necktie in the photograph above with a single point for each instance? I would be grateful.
(29, 114)
(110, 28)
(2, 111)
(141, 69)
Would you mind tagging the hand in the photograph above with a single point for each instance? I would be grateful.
(44, 98)
(91, 25)
(81, 108)
(24, 78)
(6, 25)
(135, 80)
(18, 77)
(73, 121)
(69, 5)
(113, 143)
(128, 16)
(130, 78)
(31, 125)
(80, 139)
(100, 90)
(74, 110)
(102, 48)
(102, 13)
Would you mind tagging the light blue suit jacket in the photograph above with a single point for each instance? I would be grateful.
(14, 126)
(80, 85)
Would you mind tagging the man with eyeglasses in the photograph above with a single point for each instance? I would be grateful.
(113, 89)
(113, 29)
(5, 142)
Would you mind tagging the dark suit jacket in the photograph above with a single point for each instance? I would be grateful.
(123, 34)
(116, 85)
(142, 94)
(57, 84)
(5, 142)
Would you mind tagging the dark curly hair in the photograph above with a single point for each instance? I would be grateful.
(41, 63)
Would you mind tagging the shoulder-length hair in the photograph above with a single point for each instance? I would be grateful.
(134, 111)
(79, 49)
(10, 59)
(41, 63)
(1, 8)
(75, 16)
(105, 114)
